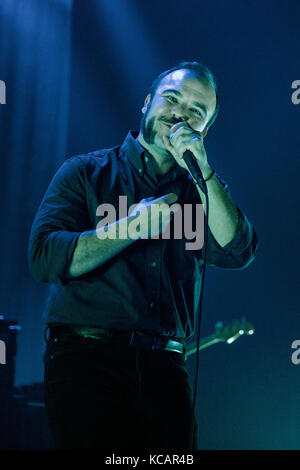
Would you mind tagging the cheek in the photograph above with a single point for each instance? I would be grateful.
(197, 125)
(160, 107)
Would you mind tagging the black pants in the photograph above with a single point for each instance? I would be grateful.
(102, 394)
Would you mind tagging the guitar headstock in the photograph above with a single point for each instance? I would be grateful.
(233, 330)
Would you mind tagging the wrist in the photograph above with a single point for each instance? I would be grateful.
(211, 174)
(207, 173)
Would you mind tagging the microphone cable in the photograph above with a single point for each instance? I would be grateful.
(199, 182)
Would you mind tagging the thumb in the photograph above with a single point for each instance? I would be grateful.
(170, 198)
(167, 143)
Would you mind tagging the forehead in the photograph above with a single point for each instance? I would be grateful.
(190, 85)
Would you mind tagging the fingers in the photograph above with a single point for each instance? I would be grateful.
(169, 198)
(183, 135)
(180, 139)
(183, 128)
(155, 214)
(178, 125)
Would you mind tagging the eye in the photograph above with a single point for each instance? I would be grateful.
(196, 111)
(171, 98)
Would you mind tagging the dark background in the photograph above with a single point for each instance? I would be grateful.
(76, 75)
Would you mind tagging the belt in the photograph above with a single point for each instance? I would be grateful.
(135, 339)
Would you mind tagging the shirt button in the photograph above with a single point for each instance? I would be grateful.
(152, 304)
(153, 264)
(140, 171)
(146, 159)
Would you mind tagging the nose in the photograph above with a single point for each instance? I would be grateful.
(180, 113)
(179, 118)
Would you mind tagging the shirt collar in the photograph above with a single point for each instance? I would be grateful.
(136, 153)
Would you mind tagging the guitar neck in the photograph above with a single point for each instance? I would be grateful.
(204, 343)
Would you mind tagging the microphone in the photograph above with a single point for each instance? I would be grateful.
(196, 173)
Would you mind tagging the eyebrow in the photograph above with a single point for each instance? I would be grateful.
(195, 103)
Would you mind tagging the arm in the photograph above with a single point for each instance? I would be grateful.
(223, 214)
(95, 247)
(61, 245)
(58, 223)
(91, 251)
(232, 242)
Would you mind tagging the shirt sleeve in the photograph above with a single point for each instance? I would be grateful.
(61, 218)
(240, 251)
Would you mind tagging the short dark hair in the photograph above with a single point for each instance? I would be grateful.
(201, 70)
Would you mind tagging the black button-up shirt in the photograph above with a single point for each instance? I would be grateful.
(153, 284)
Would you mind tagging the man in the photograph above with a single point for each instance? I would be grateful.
(121, 308)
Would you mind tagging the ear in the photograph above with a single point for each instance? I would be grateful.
(144, 108)
(204, 133)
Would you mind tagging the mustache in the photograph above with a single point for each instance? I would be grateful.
(174, 121)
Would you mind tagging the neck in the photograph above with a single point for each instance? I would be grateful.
(161, 160)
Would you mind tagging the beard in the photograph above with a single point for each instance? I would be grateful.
(149, 133)
(147, 129)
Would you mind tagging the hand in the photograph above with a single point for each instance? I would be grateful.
(182, 138)
(149, 221)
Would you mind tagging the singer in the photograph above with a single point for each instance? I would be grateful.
(120, 310)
